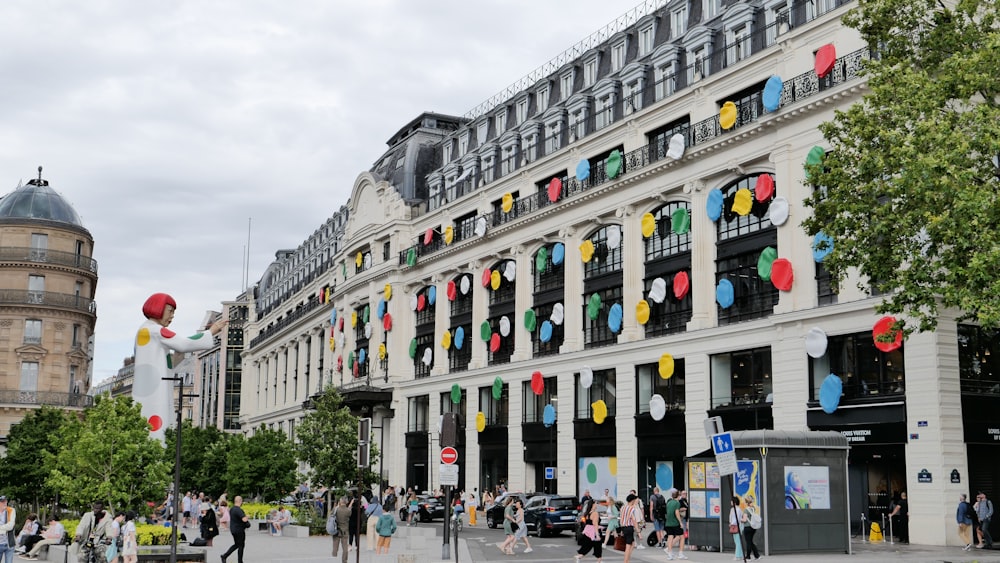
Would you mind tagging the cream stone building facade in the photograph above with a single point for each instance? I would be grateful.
(528, 265)
(47, 311)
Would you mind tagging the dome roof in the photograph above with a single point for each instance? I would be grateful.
(37, 200)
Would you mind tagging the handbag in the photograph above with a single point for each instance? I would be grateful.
(734, 529)
(590, 531)
(514, 526)
(619, 543)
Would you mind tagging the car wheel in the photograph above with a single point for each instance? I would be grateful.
(539, 530)
(490, 522)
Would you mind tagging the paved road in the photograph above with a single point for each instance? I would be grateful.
(477, 545)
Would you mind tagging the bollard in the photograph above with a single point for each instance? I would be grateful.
(864, 529)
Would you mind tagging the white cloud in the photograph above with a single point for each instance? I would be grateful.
(168, 124)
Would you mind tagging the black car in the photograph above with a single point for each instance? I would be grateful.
(429, 507)
(550, 514)
(494, 516)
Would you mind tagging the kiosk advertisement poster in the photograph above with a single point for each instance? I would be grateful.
(714, 504)
(696, 475)
(698, 506)
(596, 474)
(712, 478)
(748, 481)
(807, 487)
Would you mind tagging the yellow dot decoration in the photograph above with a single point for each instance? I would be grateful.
(446, 340)
(480, 421)
(587, 251)
(642, 312)
(648, 225)
(354, 319)
(387, 292)
(507, 203)
(143, 337)
(600, 411)
(743, 202)
(382, 353)
(449, 234)
(727, 115)
(358, 259)
(495, 280)
(666, 366)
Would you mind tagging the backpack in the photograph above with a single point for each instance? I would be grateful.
(659, 507)
(970, 513)
(755, 521)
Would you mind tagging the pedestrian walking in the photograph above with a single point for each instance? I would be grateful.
(613, 514)
(337, 525)
(630, 517)
(751, 523)
(509, 528)
(591, 538)
(963, 515)
(735, 517)
(385, 528)
(238, 524)
(984, 512)
(522, 530)
(672, 528)
(473, 504)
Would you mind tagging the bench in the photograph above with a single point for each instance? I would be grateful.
(291, 531)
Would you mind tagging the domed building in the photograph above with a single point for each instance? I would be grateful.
(47, 310)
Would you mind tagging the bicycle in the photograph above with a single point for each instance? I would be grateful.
(457, 522)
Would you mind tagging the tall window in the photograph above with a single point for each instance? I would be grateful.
(589, 72)
(362, 332)
(36, 289)
(649, 383)
(29, 376)
(741, 378)
(521, 110)
(678, 22)
(617, 56)
(646, 39)
(668, 264)
(602, 277)
(32, 331)
(566, 85)
(549, 280)
(494, 410)
(501, 311)
(426, 297)
(864, 370)
(605, 111)
(542, 99)
(742, 238)
(603, 388)
(979, 359)
(501, 121)
(418, 412)
(710, 9)
(482, 131)
(39, 246)
(534, 405)
(459, 293)
(447, 405)
(659, 139)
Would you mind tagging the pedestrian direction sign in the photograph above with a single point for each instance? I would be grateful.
(722, 443)
(725, 453)
(550, 472)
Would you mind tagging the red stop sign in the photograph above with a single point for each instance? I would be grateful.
(449, 455)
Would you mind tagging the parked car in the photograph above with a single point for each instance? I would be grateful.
(494, 516)
(429, 508)
(550, 514)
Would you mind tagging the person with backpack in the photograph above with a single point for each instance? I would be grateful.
(673, 528)
(964, 518)
(658, 515)
(984, 512)
(751, 523)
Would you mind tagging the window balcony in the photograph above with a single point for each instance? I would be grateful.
(51, 398)
(45, 256)
(48, 299)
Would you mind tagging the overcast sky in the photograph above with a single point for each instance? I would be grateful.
(169, 124)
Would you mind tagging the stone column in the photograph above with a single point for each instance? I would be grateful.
(573, 291)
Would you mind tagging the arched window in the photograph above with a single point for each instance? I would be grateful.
(547, 271)
(668, 267)
(742, 238)
(602, 285)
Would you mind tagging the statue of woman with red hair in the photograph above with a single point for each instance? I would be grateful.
(153, 344)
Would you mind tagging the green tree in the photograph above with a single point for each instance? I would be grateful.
(195, 444)
(261, 466)
(328, 442)
(910, 192)
(109, 456)
(30, 448)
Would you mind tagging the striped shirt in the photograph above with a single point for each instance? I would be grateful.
(628, 515)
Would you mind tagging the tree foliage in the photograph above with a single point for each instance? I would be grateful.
(261, 466)
(199, 470)
(911, 188)
(31, 447)
(328, 442)
(109, 456)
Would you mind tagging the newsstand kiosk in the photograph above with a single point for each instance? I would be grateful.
(798, 480)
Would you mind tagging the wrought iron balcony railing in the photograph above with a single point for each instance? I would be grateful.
(45, 256)
(48, 299)
(51, 398)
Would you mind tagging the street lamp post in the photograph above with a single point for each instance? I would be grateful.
(179, 380)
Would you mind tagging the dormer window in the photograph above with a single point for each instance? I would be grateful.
(522, 110)
(709, 9)
(542, 98)
(482, 131)
(501, 122)
(463, 144)
(646, 38)
(590, 72)
(618, 56)
(738, 44)
(678, 22)
(447, 151)
(566, 85)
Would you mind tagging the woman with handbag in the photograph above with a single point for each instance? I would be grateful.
(509, 528)
(735, 517)
(591, 538)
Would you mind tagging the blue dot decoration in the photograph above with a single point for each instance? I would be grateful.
(548, 415)
(714, 205)
(558, 253)
(724, 294)
(772, 93)
(829, 393)
(615, 318)
(545, 332)
(380, 310)
(821, 238)
(583, 170)
(459, 337)
(432, 293)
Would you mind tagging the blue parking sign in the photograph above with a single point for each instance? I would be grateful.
(550, 472)
(722, 443)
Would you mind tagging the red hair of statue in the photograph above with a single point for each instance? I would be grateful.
(157, 302)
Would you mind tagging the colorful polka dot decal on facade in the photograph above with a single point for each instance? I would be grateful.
(887, 334)
(727, 116)
(771, 97)
(826, 57)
